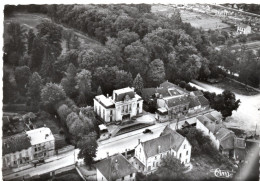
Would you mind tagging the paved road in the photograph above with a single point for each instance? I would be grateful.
(65, 161)
(130, 141)
(247, 115)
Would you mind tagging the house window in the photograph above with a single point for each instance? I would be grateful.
(180, 155)
(140, 150)
(14, 162)
(122, 178)
(155, 157)
(149, 168)
(161, 155)
(153, 164)
(184, 147)
(131, 175)
(35, 149)
(187, 152)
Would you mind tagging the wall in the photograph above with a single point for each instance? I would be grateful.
(183, 151)
(100, 177)
(8, 160)
(128, 178)
(205, 130)
(45, 149)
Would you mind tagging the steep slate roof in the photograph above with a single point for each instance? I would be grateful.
(16, 143)
(240, 143)
(121, 96)
(168, 139)
(115, 167)
(226, 138)
(167, 85)
(207, 123)
(194, 102)
(243, 25)
(203, 101)
(175, 101)
(197, 93)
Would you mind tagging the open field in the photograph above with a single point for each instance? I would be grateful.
(203, 21)
(235, 87)
(31, 20)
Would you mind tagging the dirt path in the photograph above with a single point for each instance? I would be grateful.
(247, 115)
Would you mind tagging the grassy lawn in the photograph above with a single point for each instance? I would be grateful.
(235, 87)
(45, 119)
(203, 166)
(204, 21)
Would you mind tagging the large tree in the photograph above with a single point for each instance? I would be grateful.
(34, 88)
(68, 82)
(84, 79)
(30, 38)
(155, 73)
(171, 167)
(88, 149)
(52, 93)
(22, 75)
(14, 43)
(51, 32)
(138, 84)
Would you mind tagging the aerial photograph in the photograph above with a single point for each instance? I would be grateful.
(131, 92)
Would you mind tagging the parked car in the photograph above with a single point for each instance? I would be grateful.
(147, 131)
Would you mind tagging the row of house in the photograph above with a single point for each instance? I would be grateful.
(23, 148)
(147, 157)
(174, 102)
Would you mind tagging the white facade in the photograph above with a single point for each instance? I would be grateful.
(207, 132)
(152, 163)
(42, 141)
(244, 29)
(100, 177)
(18, 158)
(113, 109)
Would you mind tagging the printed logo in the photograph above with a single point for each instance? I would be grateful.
(222, 173)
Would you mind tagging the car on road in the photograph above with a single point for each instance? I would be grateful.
(147, 131)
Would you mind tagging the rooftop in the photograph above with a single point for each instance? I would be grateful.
(115, 167)
(106, 101)
(178, 100)
(40, 135)
(123, 90)
(167, 140)
(16, 143)
(168, 85)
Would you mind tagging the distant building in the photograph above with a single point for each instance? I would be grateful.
(121, 106)
(42, 141)
(149, 154)
(22, 148)
(243, 29)
(116, 168)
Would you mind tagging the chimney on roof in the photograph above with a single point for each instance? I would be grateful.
(126, 153)
(159, 149)
(107, 154)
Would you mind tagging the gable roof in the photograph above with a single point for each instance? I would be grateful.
(243, 25)
(240, 143)
(175, 101)
(226, 138)
(115, 167)
(121, 96)
(169, 139)
(194, 102)
(40, 135)
(168, 85)
(197, 93)
(16, 143)
(203, 101)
